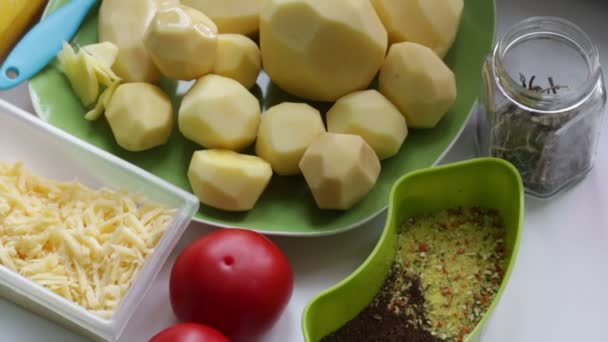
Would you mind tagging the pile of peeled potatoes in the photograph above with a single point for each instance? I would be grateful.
(317, 50)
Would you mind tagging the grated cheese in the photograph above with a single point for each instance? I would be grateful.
(85, 245)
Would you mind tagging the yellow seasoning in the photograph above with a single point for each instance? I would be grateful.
(458, 257)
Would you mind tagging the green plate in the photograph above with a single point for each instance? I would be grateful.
(286, 207)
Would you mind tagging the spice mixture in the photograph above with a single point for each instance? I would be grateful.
(447, 271)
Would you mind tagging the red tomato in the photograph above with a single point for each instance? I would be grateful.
(237, 281)
(189, 332)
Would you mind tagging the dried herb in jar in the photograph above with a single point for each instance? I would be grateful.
(548, 149)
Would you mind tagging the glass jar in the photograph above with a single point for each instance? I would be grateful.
(542, 103)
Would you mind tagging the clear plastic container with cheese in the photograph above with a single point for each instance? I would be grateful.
(51, 153)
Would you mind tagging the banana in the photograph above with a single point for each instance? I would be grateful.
(15, 18)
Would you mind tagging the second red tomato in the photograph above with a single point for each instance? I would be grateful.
(189, 332)
(234, 280)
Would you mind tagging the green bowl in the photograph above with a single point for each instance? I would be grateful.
(486, 182)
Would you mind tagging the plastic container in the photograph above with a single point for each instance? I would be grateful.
(543, 103)
(490, 182)
(52, 153)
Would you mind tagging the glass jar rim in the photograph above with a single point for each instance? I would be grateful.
(535, 101)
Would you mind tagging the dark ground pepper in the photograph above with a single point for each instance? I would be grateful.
(376, 323)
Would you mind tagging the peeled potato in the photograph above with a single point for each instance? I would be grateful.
(231, 16)
(227, 180)
(340, 169)
(419, 83)
(369, 114)
(432, 23)
(238, 57)
(219, 113)
(182, 42)
(285, 133)
(321, 50)
(140, 116)
(124, 23)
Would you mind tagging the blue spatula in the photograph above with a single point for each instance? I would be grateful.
(42, 43)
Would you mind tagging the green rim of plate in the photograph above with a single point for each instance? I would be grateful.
(287, 206)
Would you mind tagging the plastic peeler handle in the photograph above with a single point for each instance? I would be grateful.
(42, 43)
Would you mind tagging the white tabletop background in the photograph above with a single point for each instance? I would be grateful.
(558, 290)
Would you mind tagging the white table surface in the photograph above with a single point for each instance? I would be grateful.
(558, 290)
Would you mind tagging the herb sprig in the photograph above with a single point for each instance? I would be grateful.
(553, 88)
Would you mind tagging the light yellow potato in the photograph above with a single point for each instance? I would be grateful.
(140, 116)
(231, 16)
(219, 113)
(419, 83)
(340, 169)
(432, 23)
(238, 57)
(182, 42)
(228, 180)
(321, 50)
(285, 133)
(124, 24)
(369, 114)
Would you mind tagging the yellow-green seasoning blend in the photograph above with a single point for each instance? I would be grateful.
(447, 271)
(458, 258)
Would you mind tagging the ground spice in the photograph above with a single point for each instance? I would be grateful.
(385, 320)
(446, 273)
(458, 255)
